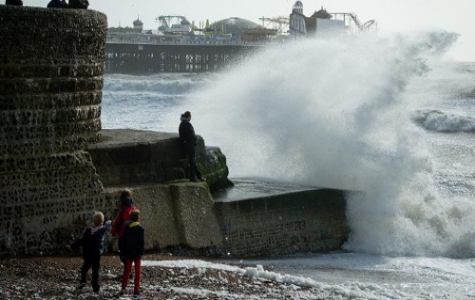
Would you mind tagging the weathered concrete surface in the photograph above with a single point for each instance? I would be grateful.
(130, 157)
(177, 214)
(152, 164)
(299, 222)
(194, 210)
(51, 67)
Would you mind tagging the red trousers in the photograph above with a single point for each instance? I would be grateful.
(128, 268)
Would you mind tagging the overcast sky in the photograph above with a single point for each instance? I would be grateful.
(391, 15)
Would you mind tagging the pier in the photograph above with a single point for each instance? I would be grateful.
(183, 47)
(169, 57)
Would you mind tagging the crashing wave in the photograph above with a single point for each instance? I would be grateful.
(436, 120)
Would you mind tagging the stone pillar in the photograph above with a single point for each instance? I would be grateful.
(51, 77)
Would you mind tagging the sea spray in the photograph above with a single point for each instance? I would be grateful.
(313, 107)
(336, 113)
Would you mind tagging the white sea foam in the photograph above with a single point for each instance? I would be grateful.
(347, 276)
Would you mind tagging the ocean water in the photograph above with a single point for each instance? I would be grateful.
(390, 117)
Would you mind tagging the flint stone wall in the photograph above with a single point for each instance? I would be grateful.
(51, 67)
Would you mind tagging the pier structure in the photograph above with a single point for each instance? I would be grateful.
(183, 47)
(171, 57)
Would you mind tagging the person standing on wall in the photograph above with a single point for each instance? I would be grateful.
(123, 215)
(188, 140)
(57, 4)
(72, 4)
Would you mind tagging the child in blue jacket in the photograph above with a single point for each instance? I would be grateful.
(92, 243)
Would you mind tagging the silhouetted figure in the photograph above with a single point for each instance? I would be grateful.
(188, 140)
(14, 2)
(78, 4)
(57, 4)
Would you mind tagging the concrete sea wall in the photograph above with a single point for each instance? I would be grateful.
(125, 157)
(297, 222)
(177, 213)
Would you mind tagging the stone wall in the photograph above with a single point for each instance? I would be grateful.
(178, 214)
(183, 217)
(299, 222)
(51, 67)
(126, 157)
(174, 211)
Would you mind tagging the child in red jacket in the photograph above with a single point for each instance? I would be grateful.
(123, 215)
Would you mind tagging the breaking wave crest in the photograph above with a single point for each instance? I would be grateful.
(167, 84)
(439, 121)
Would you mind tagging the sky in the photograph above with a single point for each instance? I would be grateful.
(392, 16)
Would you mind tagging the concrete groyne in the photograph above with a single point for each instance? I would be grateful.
(312, 220)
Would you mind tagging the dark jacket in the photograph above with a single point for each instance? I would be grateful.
(134, 240)
(56, 4)
(92, 243)
(14, 2)
(78, 4)
(187, 132)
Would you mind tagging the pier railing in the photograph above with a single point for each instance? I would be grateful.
(180, 40)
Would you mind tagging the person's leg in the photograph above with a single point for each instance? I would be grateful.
(122, 257)
(96, 264)
(190, 151)
(198, 173)
(124, 262)
(193, 176)
(128, 268)
(85, 267)
(137, 265)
